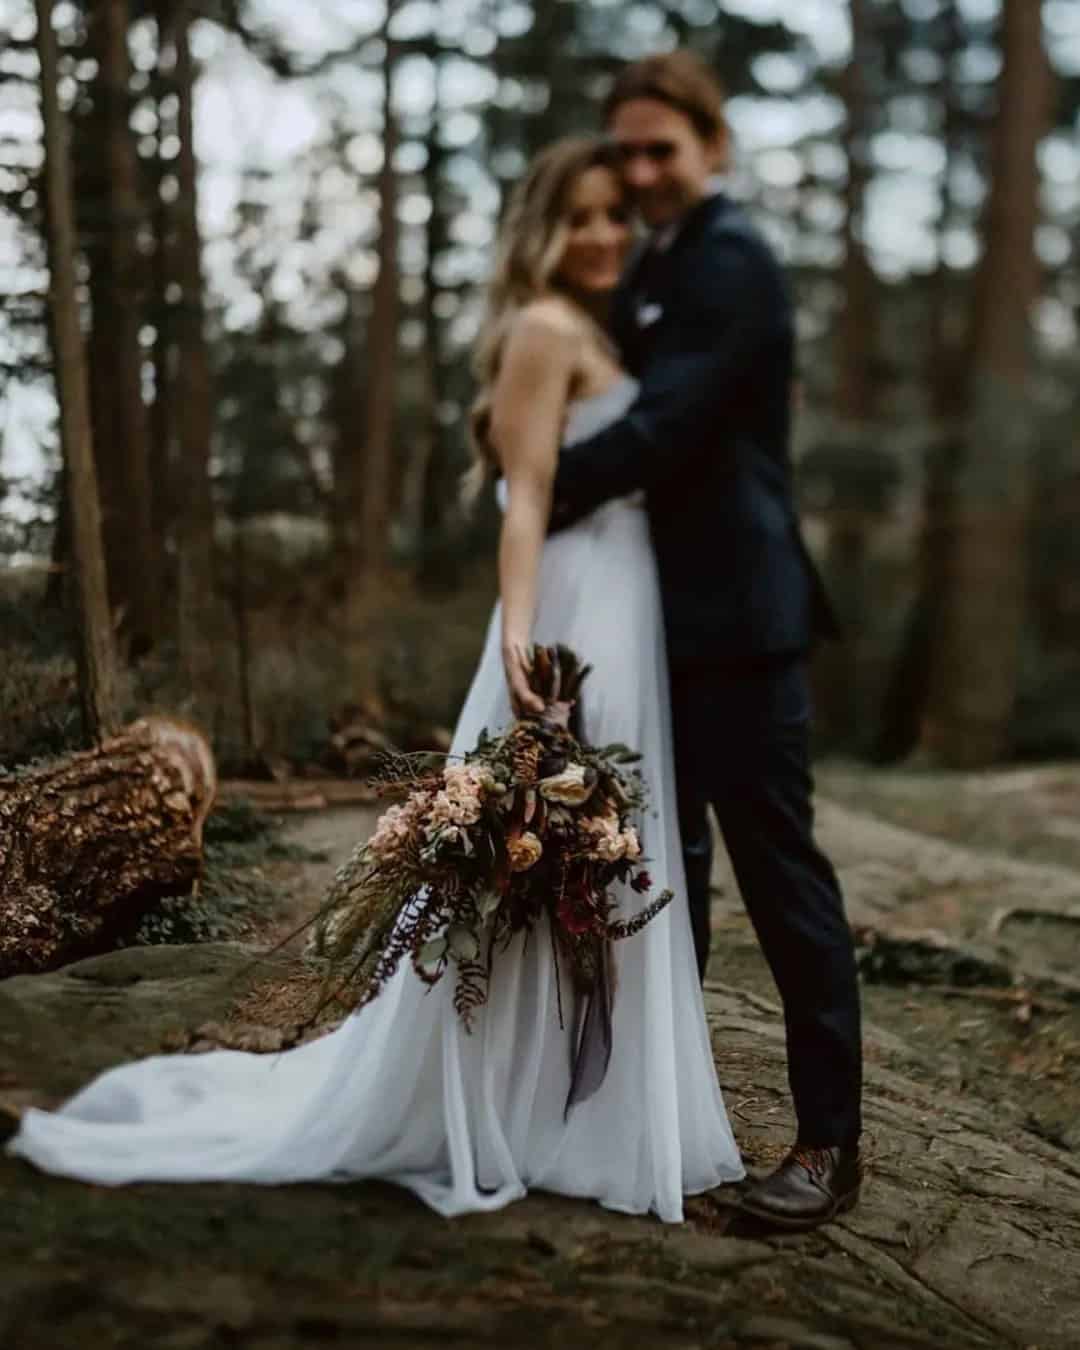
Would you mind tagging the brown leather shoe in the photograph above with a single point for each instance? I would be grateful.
(810, 1187)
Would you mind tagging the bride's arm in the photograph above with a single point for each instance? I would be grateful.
(528, 406)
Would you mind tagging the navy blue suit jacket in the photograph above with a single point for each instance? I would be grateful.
(707, 328)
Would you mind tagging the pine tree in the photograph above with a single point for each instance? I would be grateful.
(976, 659)
(97, 656)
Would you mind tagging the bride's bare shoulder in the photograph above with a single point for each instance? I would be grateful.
(544, 341)
(550, 316)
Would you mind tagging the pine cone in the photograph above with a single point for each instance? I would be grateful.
(525, 757)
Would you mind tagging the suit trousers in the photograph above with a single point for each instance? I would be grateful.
(742, 746)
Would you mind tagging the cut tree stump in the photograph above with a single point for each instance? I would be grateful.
(90, 843)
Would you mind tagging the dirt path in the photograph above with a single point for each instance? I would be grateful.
(968, 1235)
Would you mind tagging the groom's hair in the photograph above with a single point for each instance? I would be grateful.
(682, 80)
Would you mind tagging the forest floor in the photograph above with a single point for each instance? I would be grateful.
(965, 894)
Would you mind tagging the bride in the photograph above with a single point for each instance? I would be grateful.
(400, 1091)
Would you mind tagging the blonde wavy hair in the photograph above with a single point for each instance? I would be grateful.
(531, 243)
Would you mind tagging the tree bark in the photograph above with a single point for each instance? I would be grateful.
(858, 322)
(242, 629)
(348, 404)
(89, 844)
(196, 608)
(438, 566)
(120, 420)
(849, 525)
(162, 415)
(370, 516)
(946, 381)
(56, 588)
(975, 668)
(419, 521)
(947, 376)
(382, 345)
(96, 652)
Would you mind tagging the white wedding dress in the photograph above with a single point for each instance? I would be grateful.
(400, 1091)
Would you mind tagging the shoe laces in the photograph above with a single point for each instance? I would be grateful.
(816, 1160)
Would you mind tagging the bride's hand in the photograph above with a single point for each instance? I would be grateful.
(523, 700)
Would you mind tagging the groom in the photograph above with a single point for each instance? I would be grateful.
(704, 320)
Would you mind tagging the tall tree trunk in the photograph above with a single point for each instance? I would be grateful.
(375, 506)
(162, 414)
(858, 322)
(947, 376)
(56, 588)
(241, 612)
(976, 662)
(436, 489)
(850, 521)
(348, 396)
(373, 477)
(121, 438)
(163, 410)
(196, 607)
(97, 656)
(946, 382)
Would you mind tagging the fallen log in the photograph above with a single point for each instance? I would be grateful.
(91, 842)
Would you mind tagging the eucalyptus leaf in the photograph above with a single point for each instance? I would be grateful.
(431, 953)
(463, 942)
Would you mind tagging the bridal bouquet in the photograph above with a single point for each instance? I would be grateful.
(531, 827)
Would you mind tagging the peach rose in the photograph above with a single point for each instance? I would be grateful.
(524, 851)
(569, 788)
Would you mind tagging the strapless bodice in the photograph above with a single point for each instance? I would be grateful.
(586, 416)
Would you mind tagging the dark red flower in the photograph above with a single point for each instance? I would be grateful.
(641, 883)
(574, 918)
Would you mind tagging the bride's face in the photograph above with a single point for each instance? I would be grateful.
(597, 232)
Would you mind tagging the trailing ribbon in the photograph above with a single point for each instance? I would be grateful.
(592, 1052)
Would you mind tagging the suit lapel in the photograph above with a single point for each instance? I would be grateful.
(623, 326)
(643, 297)
(649, 280)
(624, 307)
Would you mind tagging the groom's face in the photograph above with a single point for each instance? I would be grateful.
(666, 162)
